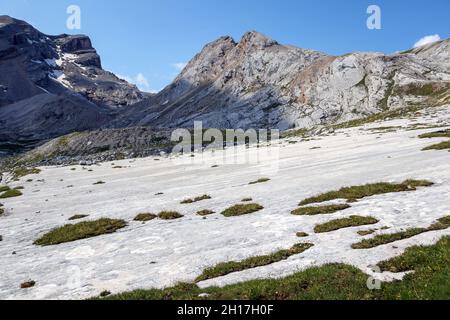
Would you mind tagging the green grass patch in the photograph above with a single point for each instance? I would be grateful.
(82, 230)
(360, 192)
(242, 209)
(169, 215)
(352, 221)
(429, 281)
(439, 146)
(261, 180)
(437, 134)
(78, 217)
(302, 234)
(366, 232)
(10, 194)
(205, 213)
(20, 172)
(247, 200)
(312, 211)
(197, 199)
(234, 266)
(382, 239)
(4, 188)
(144, 217)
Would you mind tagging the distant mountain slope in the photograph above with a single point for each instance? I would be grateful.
(260, 83)
(52, 85)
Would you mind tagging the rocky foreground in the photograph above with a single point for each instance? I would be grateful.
(161, 252)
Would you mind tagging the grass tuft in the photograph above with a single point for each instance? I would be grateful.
(28, 284)
(205, 213)
(382, 239)
(144, 217)
(302, 234)
(261, 180)
(78, 217)
(439, 146)
(242, 209)
(352, 221)
(312, 211)
(360, 192)
(4, 188)
(20, 172)
(247, 200)
(169, 215)
(229, 267)
(197, 199)
(10, 194)
(437, 134)
(82, 230)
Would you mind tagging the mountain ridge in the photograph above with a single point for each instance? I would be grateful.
(255, 82)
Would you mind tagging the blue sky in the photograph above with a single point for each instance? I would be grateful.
(148, 40)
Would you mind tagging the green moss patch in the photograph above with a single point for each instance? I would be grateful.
(353, 221)
(360, 192)
(197, 199)
(229, 267)
(10, 194)
(439, 146)
(437, 134)
(144, 217)
(20, 172)
(242, 209)
(261, 180)
(205, 213)
(312, 211)
(382, 239)
(169, 215)
(82, 230)
(78, 217)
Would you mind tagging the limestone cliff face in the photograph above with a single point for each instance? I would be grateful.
(257, 82)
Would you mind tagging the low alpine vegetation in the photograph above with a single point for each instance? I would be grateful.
(368, 190)
(20, 172)
(353, 221)
(144, 217)
(197, 199)
(78, 217)
(99, 182)
(247, 200)
(11, 193)
(302, 235)
(437, 134)
(242, 209)
(28, 284)
(229, 267)
(81, 230)
(169, 215)
(429, 281)
(312, 211)
(205, 213)
(261, 180)
(439, 146)
(382, 239)
(4, 188)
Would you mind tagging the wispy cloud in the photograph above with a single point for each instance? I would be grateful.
(179, 65)
(427, 40)
(139, 80)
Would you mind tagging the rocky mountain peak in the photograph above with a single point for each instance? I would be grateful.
(254, 39)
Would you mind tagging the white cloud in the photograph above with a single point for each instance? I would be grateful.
(427, 40)
(139, 80)
(179, 65)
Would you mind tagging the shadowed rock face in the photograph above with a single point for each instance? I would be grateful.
(53, 85)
